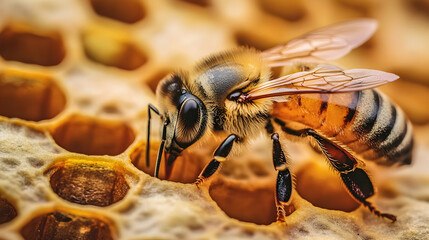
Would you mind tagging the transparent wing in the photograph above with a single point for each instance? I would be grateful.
(322, 79)
(328, 43)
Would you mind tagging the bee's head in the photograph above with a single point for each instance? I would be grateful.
(186, 115)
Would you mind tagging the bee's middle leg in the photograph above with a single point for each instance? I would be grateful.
(284, 178)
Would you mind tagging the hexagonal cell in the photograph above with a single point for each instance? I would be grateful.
(93, 136)
(29, 96)
(112, 49)
(7, 210)
(24, 44)
(88, 183)
(201, 3)
(252, 39)
(245, 200)
(288, 10)
(127, 11)
(363, 8)
(66, 226)
(318, 184)
(243, 183)
(186, 167)
(419, 6)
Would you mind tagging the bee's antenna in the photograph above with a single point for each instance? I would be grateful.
(161, 148)
(153, 108)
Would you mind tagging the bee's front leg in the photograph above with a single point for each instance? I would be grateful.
(284, 178)
(218, 157)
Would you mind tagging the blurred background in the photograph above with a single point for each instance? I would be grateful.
(142, 41)
(102, 59)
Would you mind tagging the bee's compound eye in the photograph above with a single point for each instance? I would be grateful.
(189, 114)
(189, 123)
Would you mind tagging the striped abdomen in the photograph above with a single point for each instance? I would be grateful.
(365, 121)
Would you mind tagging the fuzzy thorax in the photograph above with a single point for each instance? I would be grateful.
(246, 119)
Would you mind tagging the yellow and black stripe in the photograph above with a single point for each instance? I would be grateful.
(366, 121)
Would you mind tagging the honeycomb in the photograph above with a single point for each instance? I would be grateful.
(75, 81)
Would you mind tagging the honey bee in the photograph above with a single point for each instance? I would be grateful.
(233, 92)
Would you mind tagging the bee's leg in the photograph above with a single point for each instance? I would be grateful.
(355, 179)
(161, 148)
(149, 108)
(360, 186)
(218, 157)
(284, 178)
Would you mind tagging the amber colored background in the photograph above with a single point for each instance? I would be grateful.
(83, 72)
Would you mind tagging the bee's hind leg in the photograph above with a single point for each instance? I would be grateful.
(360, 186)
(355, 179)
(284, 179)
(218, 157)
